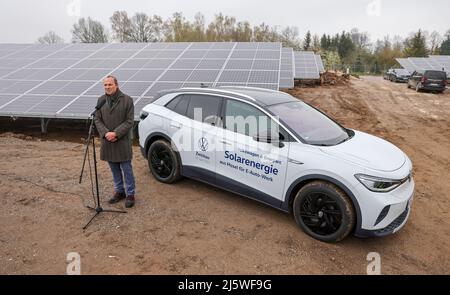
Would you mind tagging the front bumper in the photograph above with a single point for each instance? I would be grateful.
(393, 227)
(385, 214)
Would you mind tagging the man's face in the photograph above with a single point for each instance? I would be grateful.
(110, 86)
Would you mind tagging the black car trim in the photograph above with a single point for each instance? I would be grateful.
(230, 185)
(144, 150)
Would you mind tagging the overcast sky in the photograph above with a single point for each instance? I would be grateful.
(23, 21)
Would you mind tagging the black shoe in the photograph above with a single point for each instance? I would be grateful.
(129, 202)
(117, 197)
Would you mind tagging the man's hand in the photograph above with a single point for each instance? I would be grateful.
(111, 136)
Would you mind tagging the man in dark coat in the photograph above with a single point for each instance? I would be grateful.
(114, 122)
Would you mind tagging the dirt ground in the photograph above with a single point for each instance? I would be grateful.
(193, 228)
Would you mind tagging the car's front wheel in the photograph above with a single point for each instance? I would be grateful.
(163, 161)
(324, 211)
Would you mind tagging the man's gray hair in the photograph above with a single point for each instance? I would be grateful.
(114, 78)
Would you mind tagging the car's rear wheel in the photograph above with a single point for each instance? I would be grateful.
(163, 161)
(324, 211)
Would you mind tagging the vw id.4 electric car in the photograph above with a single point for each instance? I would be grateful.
(274, 148)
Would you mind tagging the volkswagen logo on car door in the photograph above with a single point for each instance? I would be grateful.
(203, 144)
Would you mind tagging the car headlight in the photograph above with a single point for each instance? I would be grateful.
(377, 184)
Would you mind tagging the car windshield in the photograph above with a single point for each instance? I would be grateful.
(438, 75)
(311, 125)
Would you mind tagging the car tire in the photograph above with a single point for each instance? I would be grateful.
(164, 163)
(324, 211)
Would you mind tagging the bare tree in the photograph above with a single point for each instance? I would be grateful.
(177, 28)
(434, 42)
(243, 32)
(222, 28)
(290, 38)
(447, 34)
(316, 43)
(140, 28)
(121, 26)
(50, 38)
(198, 27)
(156, 28)
(89, 31)
(397, 43)
(360, 39)
(264, 33)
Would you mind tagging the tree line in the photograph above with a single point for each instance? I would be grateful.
(347, 49)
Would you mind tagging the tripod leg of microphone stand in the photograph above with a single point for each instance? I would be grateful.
(87, 224)
(115, 211)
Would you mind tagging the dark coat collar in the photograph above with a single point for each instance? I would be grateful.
(119, 94)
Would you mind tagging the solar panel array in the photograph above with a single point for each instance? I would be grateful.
(64, 81)
(306, 66)
(435, 62)
(406, 64)
(287, 68)
(424, 63)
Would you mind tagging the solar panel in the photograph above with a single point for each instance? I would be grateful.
(79, 107)
(287, 68)
(319, 62)
(64, 80)
(406, 64)
(306, 65)
(211, 64)
(23, 103)
(443, 61)
(140, 104)
(422, 63)
(50, 105)
(19, 87)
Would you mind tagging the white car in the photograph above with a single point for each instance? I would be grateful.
(276, 149)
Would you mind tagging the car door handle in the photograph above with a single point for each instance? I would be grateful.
(295, 162)
(175, 125)
(225, 142)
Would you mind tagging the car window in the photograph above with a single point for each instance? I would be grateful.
(179, 104)
(173, 103)
(309, 124)
(438, 75)
(204, 108)
(246, 119)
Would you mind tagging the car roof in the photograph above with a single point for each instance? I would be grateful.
(425, 71)
(260, 96)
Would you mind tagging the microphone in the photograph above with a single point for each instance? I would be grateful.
(98, 106)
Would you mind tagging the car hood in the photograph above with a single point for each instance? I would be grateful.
(370, 152)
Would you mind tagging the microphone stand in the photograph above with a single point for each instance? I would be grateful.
(98, 208)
